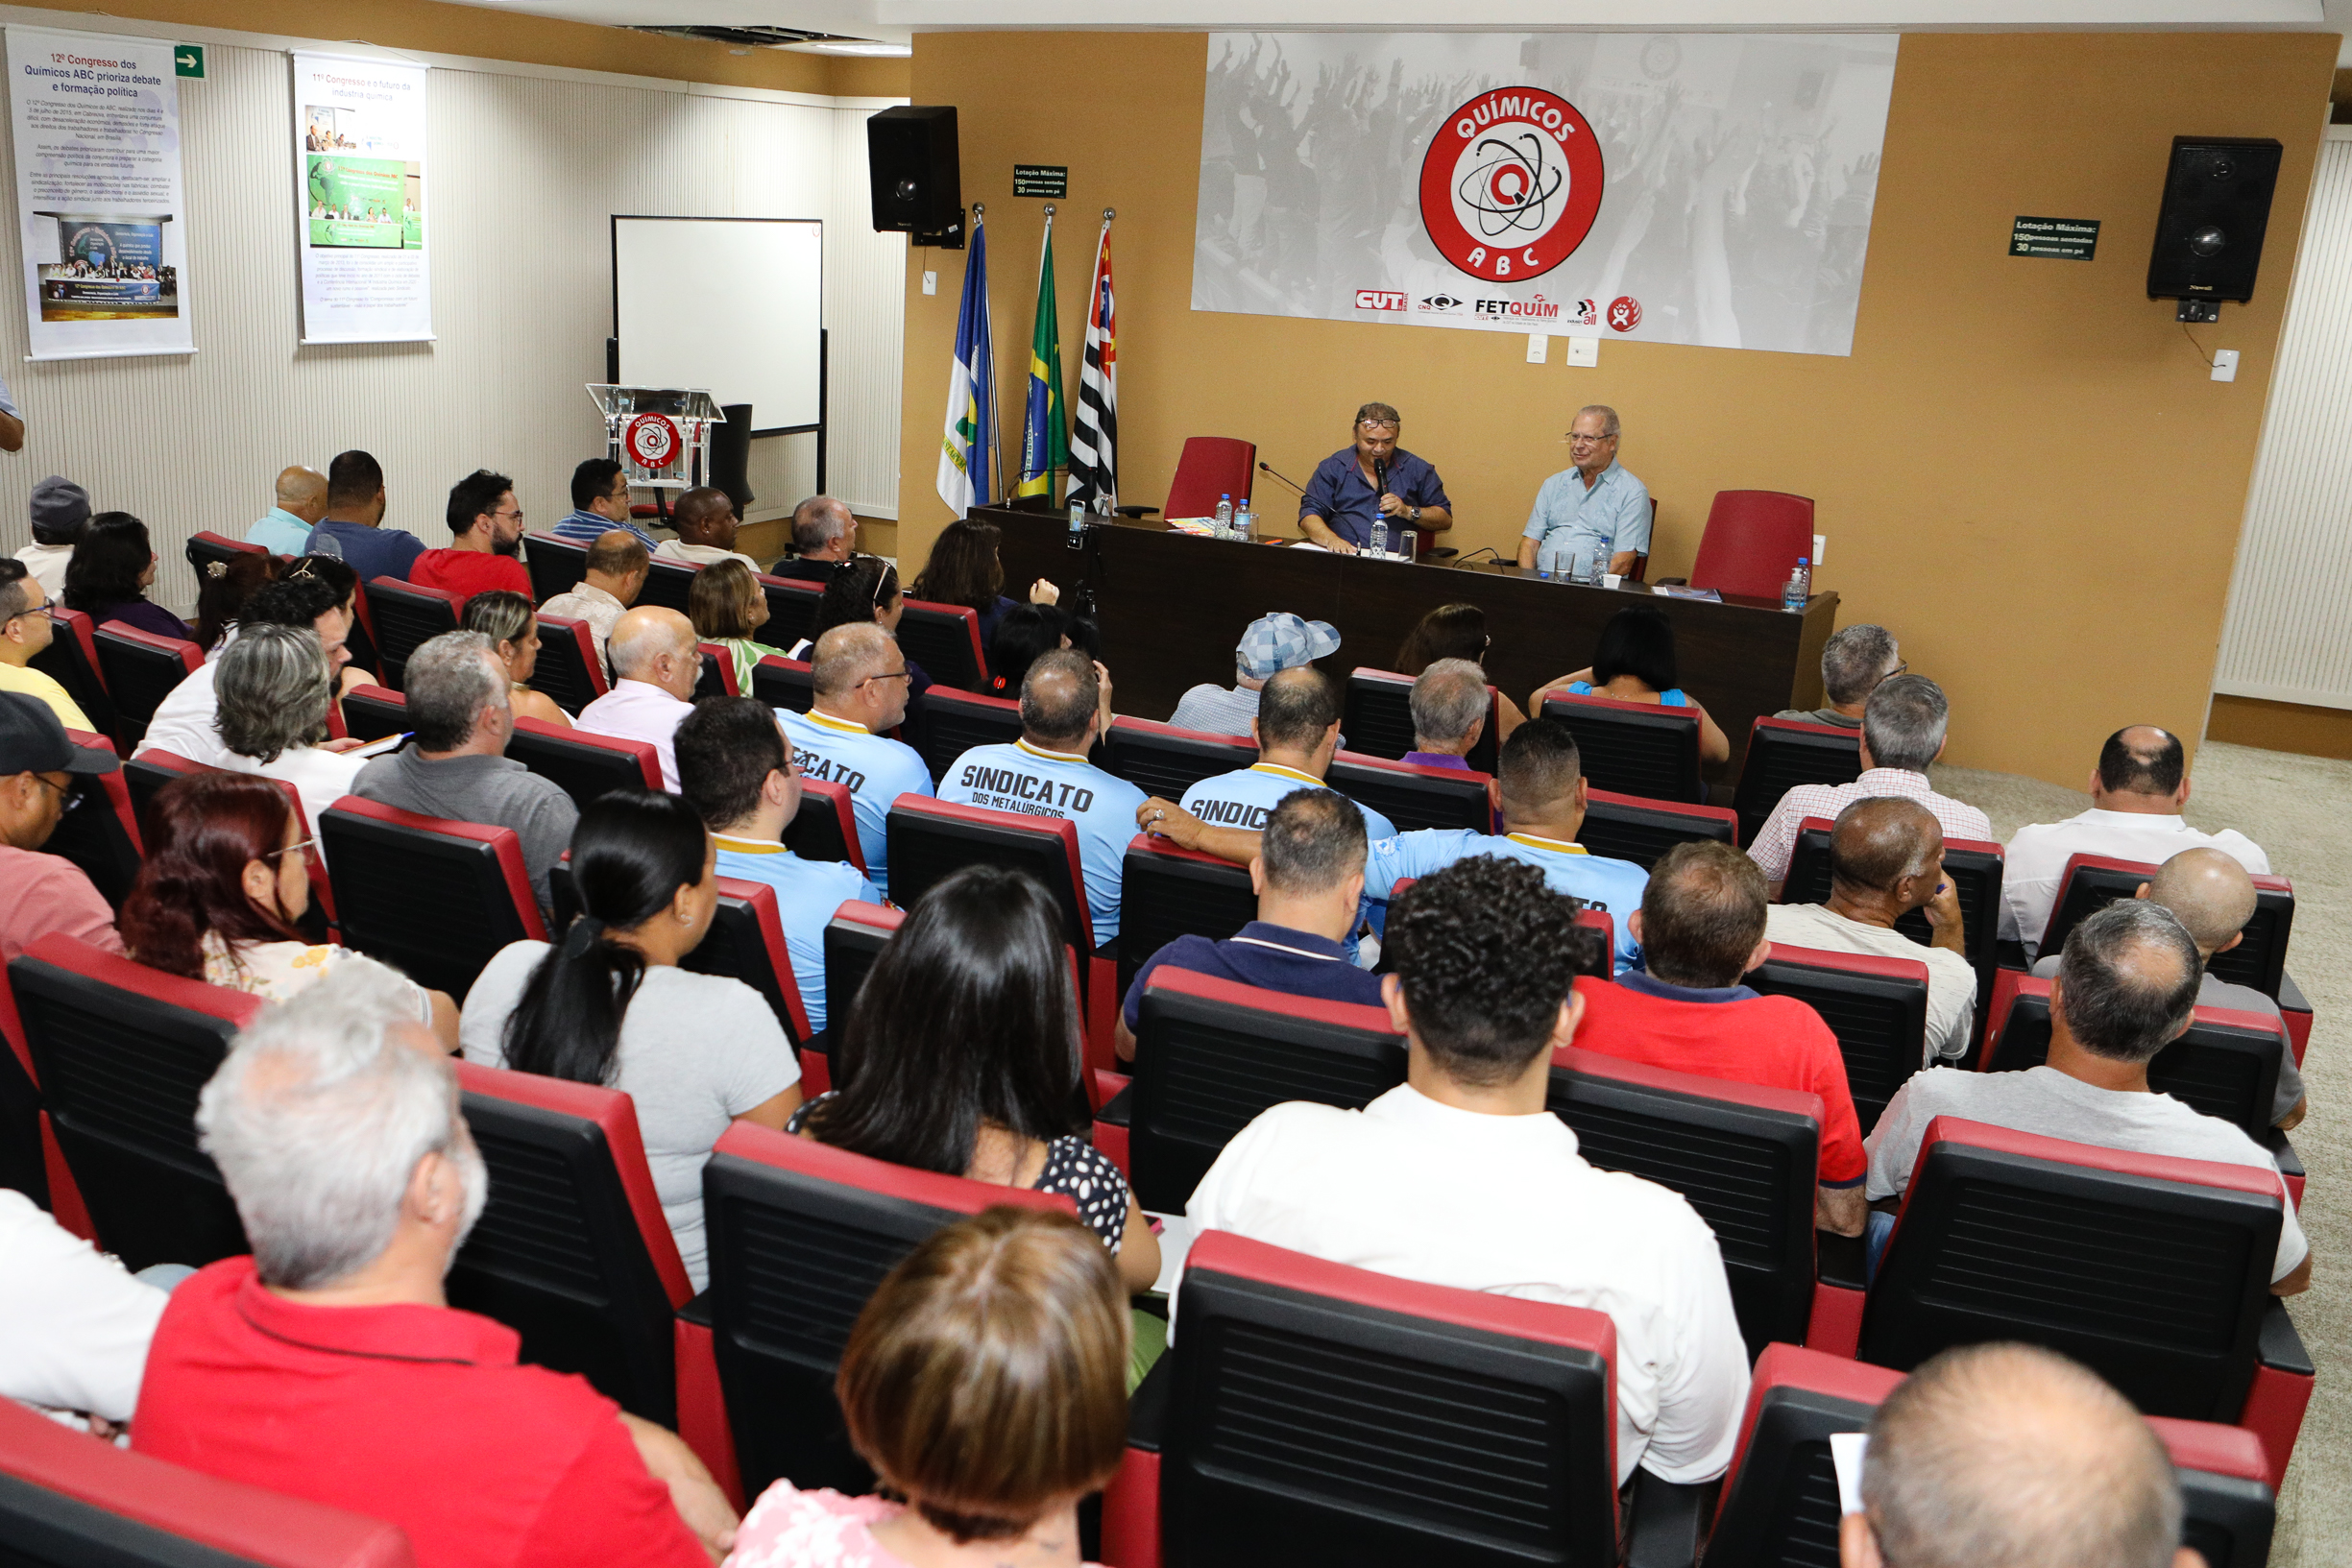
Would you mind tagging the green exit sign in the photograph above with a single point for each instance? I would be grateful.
(188, 59)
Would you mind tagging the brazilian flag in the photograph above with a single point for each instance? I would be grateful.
(1044, 436)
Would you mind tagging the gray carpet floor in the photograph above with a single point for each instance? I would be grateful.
(2299, 808)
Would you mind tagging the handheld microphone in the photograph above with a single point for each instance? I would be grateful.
(1380, 477)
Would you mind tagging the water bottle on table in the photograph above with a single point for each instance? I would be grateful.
(1225, 515)
(1380, 535)
(1245, 523)
(1799, 588)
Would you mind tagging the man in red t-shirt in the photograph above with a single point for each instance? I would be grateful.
(329, 1364)
(1701, 927)
(487, 525)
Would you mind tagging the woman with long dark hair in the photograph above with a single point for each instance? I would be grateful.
(863, 588)
(965, 568)
(1027, 633)
(1636, 662)
(109, 577)
(507, 618)
(960, 1055)
(1455, 631)
(609, 1004)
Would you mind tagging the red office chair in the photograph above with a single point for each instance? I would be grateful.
(1164, 760)
(205, 547)
(571, 671)
(791, 611)
(784, 684)
(1413, 796)
(826, 826)
(944, 639)
(853, 938)
(717, 677)
(1166, 892)
(1752, 539)
(102, 834)
(1630, 827)
(1208, 467)
(370, 713)
(141, 669)
(556, 565)
(404, 617)
(1784, 754)
(1876, 1007)
(585, 764)
(954, 721)
(1634, 748)
(747, 942)
(71, 660)
(669, 584)
(1377, 717)
(435, 899)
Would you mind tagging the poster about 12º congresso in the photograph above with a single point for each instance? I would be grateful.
(359, 146)
(96, 119)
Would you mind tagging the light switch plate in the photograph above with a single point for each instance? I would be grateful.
(1821, 547)
(2225, 364)
(1584, 350)
(930, 282)
(1538, 345)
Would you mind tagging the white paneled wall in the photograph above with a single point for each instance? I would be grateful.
(2287, 636)
(525, 169)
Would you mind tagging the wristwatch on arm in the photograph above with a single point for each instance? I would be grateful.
(1413, 514)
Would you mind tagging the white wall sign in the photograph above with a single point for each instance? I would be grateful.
(96, 120)
(359, 190)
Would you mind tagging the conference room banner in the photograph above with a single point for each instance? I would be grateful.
(1688, 187)
(359, 150)
(99, 199)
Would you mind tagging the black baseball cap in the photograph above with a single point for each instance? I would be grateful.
(32, 741)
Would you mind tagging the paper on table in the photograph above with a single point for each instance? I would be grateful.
(1846, 1452)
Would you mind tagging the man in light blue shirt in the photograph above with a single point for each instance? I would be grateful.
(599, 504)
(1298, 729)
(734, 770)
(1064, 702)
(301, 503)
(860, 681)
(1594, 509)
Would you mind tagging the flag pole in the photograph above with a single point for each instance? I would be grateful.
(1045, 250)
(996, 443)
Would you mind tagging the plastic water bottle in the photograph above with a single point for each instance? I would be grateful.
(1380, 535)
(1225, 515)
(1245, 523)
(1799, 588)
(1596, 570)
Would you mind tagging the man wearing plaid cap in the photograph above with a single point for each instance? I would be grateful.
(1274, 643)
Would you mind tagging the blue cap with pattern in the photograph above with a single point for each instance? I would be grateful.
(1281, 641)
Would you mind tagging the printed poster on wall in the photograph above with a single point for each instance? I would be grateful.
(359, 146)
(96, 119)
(1688, 187)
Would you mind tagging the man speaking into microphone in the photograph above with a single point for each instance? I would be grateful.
(1373, 479)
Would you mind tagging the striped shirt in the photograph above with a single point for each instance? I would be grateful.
(1777, 839)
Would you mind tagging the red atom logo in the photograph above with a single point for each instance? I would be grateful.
(652, 440)
(1511, 184)
(1624, 313)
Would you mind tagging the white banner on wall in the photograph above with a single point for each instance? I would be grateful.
(1688, 187)
(359, 188)
(96, 120)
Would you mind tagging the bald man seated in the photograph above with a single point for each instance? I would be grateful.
(655, 663)
(1887, 859)
(2213, 898)
(302, 501)
(2008, 1456)
(706, 523)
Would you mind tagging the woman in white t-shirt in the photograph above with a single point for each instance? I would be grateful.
(609, 1004)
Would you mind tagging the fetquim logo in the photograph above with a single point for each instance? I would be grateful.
(1511, 184)
(1536, 309)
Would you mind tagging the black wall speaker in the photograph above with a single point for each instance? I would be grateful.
(917, 183)
(2216, 203)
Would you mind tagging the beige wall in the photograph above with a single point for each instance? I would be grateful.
(2023, 467)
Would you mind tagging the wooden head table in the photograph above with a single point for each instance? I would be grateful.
(1173, 605)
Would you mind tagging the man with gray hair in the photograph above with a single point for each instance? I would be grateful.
(456, 766)
(1450, 713)
(273, 688)
(1591, 512)
(1902, 732)
(2009, 1456)
(824, 535)
(328, 1364)
(2125, 989)
(1852, 663)
(862, 681)
(656, 661)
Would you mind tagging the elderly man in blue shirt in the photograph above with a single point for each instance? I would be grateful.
(301, 503)
(1594, 509)
(1346, 493)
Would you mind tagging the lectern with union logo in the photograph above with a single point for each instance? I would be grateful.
(660, 436)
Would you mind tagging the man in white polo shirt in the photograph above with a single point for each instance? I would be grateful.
(859, 677)
(1297, 729)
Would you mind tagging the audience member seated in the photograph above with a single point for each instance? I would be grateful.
(1902, 732)
(736, 772)
(865, 588)
(186, 722)
(2012, 1454)
(1636, 662)
(1852, 663)
(454, 764)
(1455, 631)
(1296, 730)
(1887, 859)
(1540, 792)
(1308, 875)
(1450, 713)
(485, 530)
(600, 505)
(702, 1051)
(222, 589)
(59, 509)
(224, 886)
(107, 579)
(2125, 989)
(1436, 1180)
(25, 630)
(327, 1364)
(1023, 634)
(960, 1055)
(982, 1381)
(965, 568)
(302, 505)
(74, 1322)
(2213, 898)
(727, 605)
(1066, 706)
(39, 771)
(511, 625)
(273, 688)
(344, 582)
(824, 535)
(2136, 792)
(1701, 927)
(1273, 644)
(706, 524)
(352, 531)
(616, 567)
(655, 666)
(859, 680)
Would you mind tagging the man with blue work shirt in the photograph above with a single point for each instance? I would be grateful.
(734, 771)
(1065, 702)
(1298, 729)
(1593, 508)
(1348, 494)
(860, 678)
(1541, 791)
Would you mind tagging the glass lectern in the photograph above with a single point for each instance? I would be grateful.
(660, 436)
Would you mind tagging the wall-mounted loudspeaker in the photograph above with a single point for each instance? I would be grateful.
(2216, 203)
(917, 183)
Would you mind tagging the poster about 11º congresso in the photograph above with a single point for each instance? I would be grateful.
(100, 214)
(359, 150)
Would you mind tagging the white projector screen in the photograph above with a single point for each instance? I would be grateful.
(733, 306)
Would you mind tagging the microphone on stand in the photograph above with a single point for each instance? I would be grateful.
(1268, 467)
